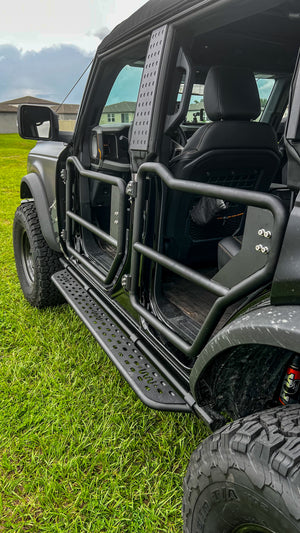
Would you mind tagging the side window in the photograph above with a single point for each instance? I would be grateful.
(121, 103)
(265, 87)
(196, 111)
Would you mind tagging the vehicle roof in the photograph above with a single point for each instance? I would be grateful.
(157, 12)
(259, 34)
(154, 12)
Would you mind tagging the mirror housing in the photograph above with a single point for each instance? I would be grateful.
(37, 122)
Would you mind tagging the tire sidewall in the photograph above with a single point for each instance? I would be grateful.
(21, 225)
(231, 500)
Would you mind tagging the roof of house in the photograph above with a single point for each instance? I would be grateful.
(121, 107)
(11, 106)
(6, 108)
(66, 109)
(29, 100)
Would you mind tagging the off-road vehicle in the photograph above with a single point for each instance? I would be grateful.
(170, 221)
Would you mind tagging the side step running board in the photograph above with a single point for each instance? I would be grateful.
(144, 378)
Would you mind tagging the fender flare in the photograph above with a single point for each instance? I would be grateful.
(276, 326)
(32, 187)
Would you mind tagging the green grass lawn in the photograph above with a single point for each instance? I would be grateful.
(78, 451)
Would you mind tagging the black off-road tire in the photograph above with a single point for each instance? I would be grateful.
(245, 478)
(35, 261)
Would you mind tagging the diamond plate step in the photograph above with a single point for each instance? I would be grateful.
(148, 383)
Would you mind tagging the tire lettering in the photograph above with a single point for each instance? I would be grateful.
(203, 514)
(224, 494)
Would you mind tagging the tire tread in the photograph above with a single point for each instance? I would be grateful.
(266, 446)
(46, 260)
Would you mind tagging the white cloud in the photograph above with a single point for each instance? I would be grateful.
(113, 12)
(28, 42)
(36, 24)
(48, 74)
(100, 33)
(28, 91)
(38, 40)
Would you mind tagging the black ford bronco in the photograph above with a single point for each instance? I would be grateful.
(170, 221)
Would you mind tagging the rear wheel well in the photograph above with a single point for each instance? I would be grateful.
(243, 379)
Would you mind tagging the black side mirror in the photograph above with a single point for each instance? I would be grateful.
(37, 122)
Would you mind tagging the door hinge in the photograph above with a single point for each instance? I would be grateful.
(63, 175)
(131, 189)
(126, 282)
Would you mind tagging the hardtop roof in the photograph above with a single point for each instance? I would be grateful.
(157, 12)
(154, 12)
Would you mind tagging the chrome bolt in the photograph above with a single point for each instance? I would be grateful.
(264, 233)
(264, 250)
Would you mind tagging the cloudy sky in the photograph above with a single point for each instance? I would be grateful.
(45, 45)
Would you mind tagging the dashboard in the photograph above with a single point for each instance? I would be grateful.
(109, 147)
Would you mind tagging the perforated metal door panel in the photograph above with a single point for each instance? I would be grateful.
(143, 115)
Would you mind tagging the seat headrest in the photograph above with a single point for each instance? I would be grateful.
(231, 94)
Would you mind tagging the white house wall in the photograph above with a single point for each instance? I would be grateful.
(8, 123)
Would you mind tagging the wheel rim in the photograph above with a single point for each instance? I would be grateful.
(251, 528)
(27, 259)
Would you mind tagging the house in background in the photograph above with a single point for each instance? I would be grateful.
(120, 112)
(124, 112)
(8, 113)
(115, 113)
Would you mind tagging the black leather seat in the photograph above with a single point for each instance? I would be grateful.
(232, 150)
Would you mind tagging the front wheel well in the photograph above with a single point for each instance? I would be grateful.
(25, 191)
(243, 379)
